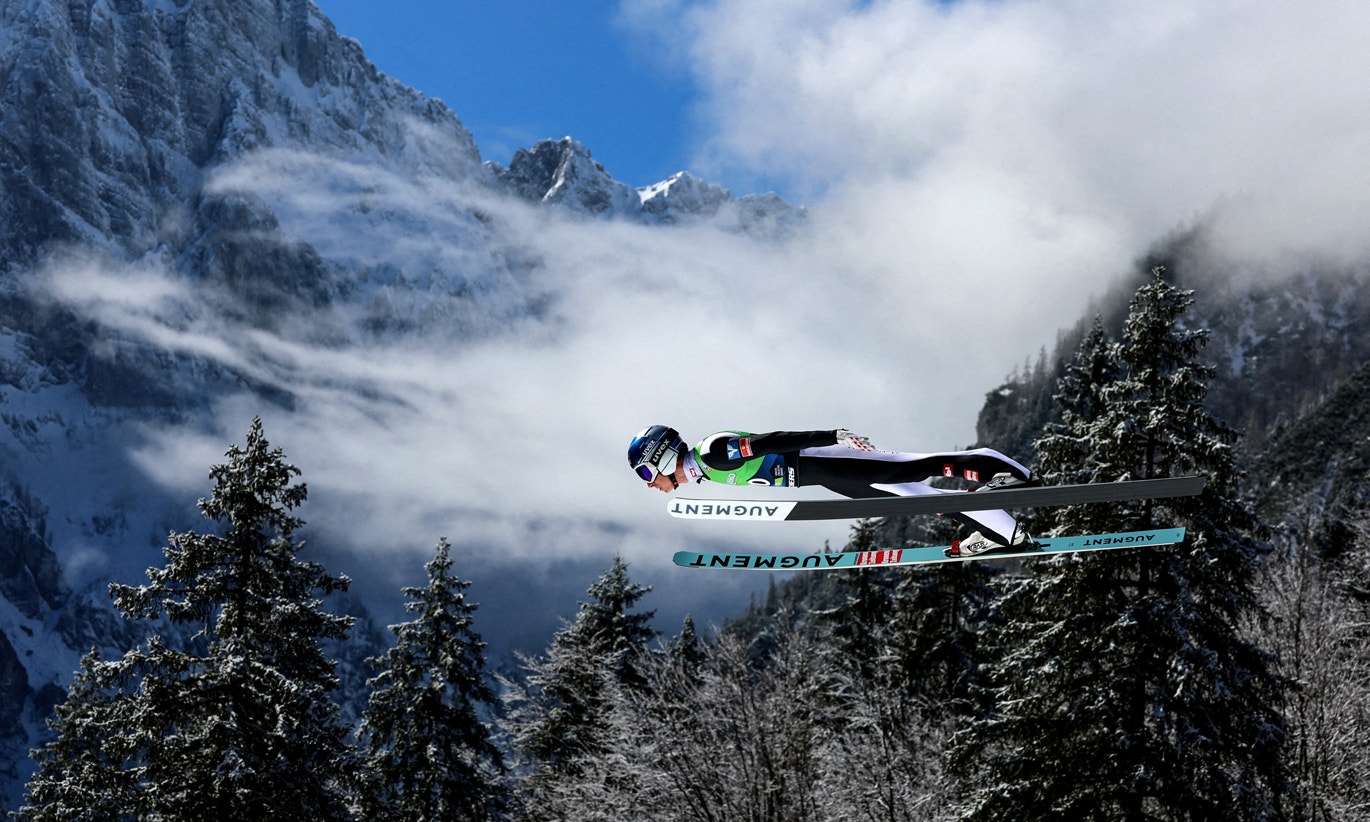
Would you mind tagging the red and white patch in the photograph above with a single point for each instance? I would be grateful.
(972, 476)
(745, 446)
(948, 470)
(879, 557)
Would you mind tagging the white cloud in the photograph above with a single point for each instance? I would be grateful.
(1137, 118)
(507, 434)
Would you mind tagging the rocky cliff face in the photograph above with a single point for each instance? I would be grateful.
(116, 109)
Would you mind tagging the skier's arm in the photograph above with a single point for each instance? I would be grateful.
(726, 452)
(782, 442)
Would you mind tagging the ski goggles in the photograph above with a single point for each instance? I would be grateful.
(648, 470)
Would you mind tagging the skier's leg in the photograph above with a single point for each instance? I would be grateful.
(896, 467)
(999, 526)
(980, 465)
(883, 473)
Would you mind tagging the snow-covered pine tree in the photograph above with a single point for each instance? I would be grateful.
(688, 647)
(856, 624)
(236, 722)
(1124, 687)
(913, 631)
(609, 626)
(934, 634)
(1068, 446)
(558, 721)
(429, 754)
(83, 768)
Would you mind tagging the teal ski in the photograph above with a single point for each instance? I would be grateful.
(919, 556)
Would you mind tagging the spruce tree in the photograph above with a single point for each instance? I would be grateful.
(688, 647)
(1125, 688)
(608, 626)
(234, 722)
(911, 631)
(560, 719)
(428, 752)
(83, 770)
(1067, 449)
(864, 599)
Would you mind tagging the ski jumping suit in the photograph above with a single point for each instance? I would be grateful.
(807, 458)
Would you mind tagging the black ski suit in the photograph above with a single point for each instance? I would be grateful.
(813, 458)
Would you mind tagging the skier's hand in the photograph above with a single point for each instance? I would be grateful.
(847, 438)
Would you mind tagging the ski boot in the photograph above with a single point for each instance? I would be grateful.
(1006, 480)
(977, 543)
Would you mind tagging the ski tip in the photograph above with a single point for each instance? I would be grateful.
(753, 510)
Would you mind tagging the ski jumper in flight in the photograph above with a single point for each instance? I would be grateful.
(838, 460)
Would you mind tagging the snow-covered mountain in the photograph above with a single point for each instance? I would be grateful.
(563, 172)
(236, 149)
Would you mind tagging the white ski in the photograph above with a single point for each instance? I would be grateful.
(942, 503)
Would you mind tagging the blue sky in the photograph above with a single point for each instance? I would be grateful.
(517, 72)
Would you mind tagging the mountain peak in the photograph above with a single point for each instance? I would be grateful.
(563, 173)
